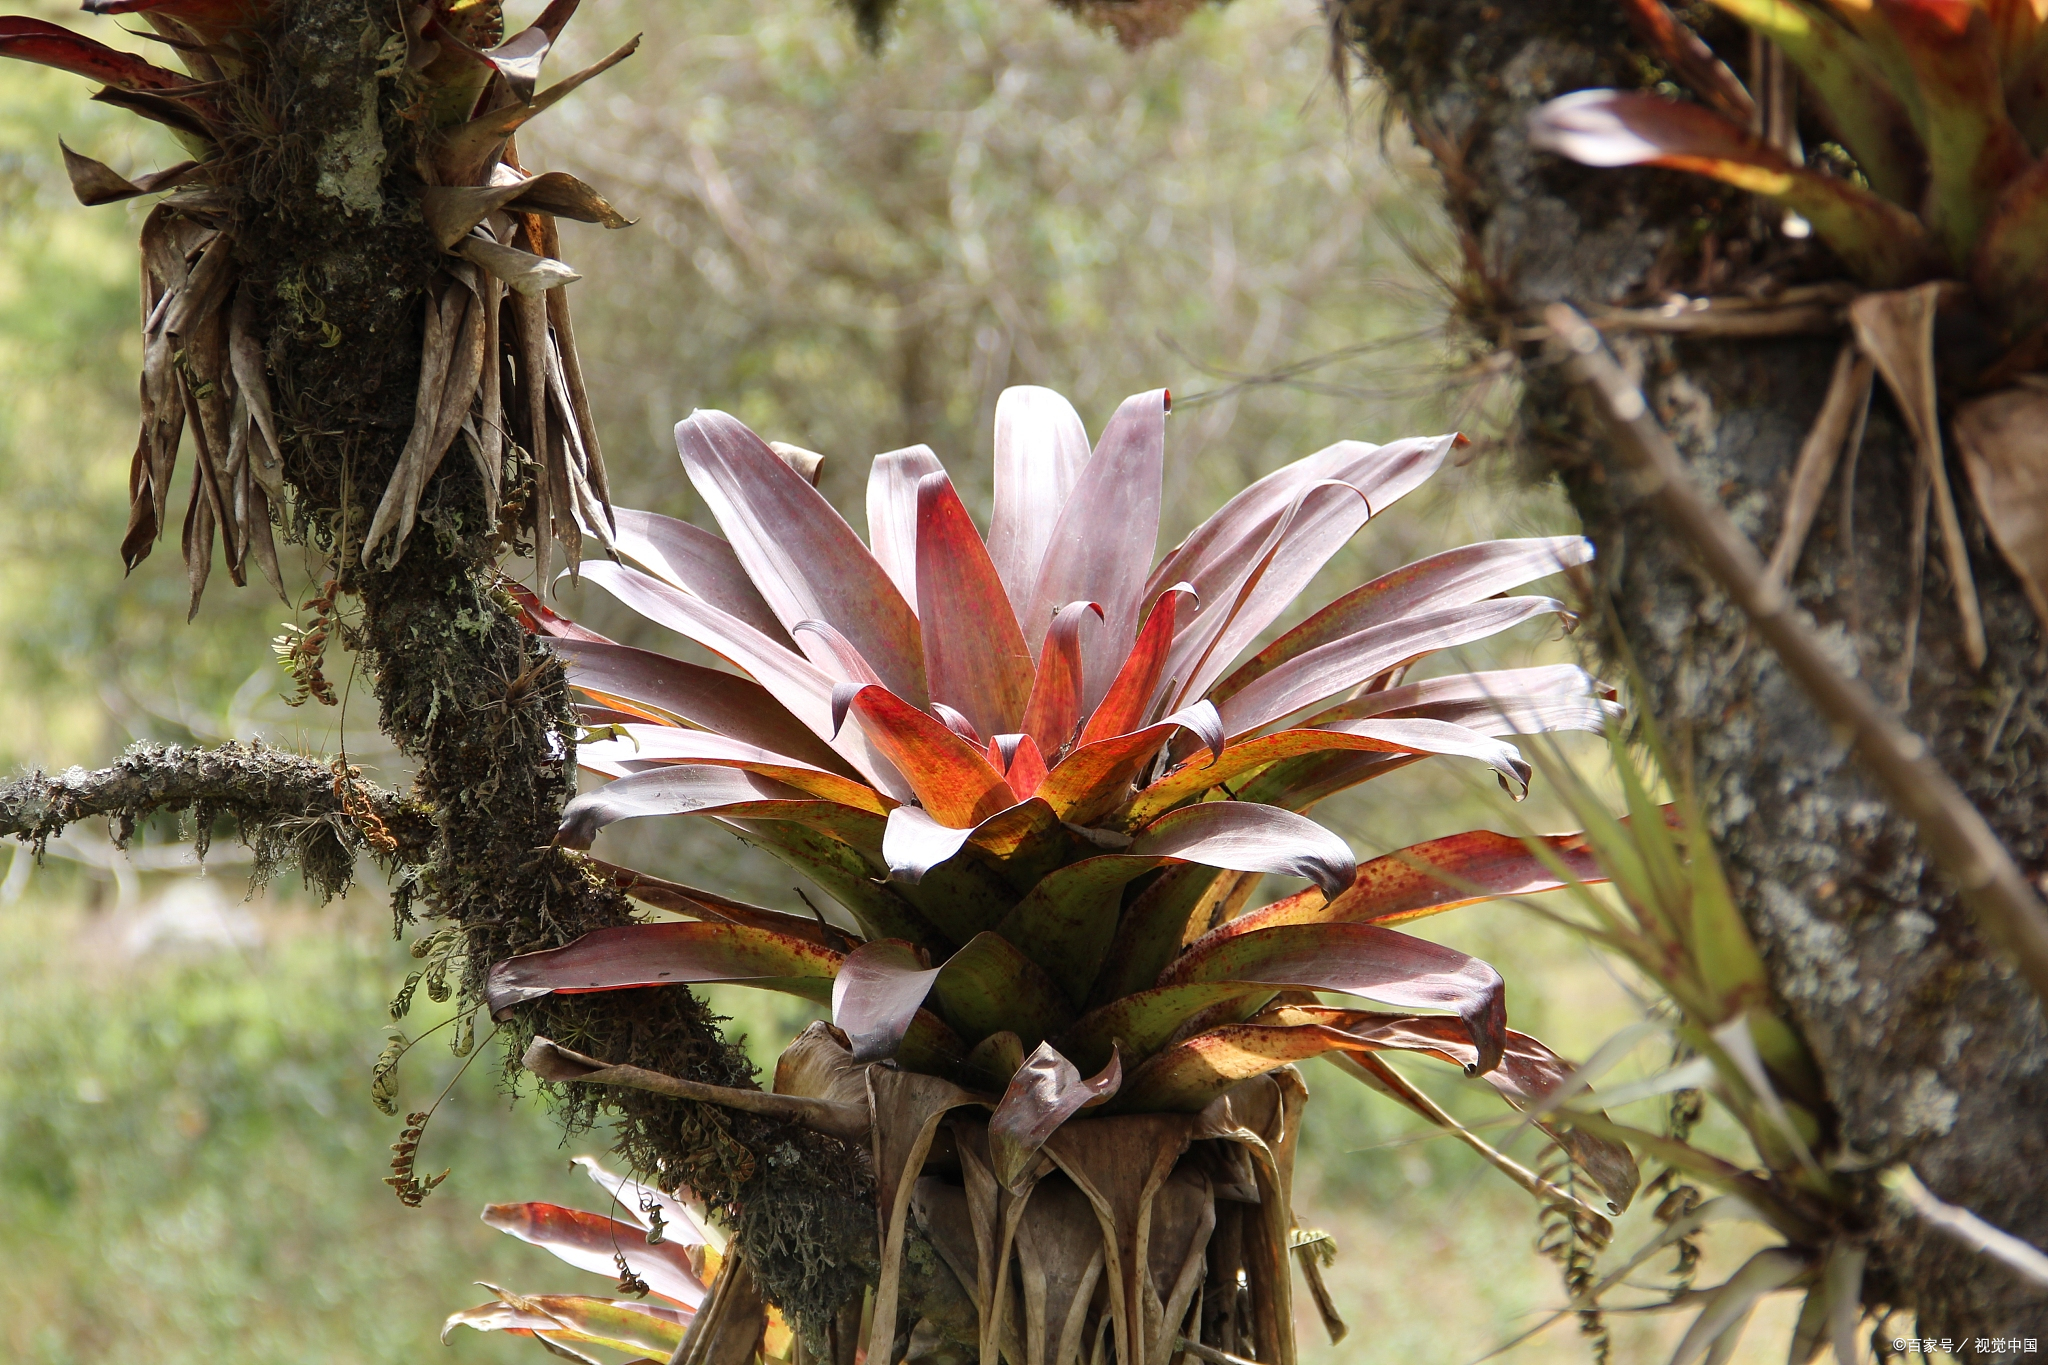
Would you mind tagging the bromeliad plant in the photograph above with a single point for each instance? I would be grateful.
(499, 373)
(1034, 773)
(1938, 200)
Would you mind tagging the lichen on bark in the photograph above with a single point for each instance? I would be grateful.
(1933, 1049)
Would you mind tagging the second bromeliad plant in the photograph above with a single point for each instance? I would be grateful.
(1036, 775)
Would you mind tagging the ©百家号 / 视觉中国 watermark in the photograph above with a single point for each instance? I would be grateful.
(1991, 1346)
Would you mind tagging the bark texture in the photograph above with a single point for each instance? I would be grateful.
(1934, 1051)
(329, 230)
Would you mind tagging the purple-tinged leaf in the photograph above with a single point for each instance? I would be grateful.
(698, 562)
(1243, 837)
(1053, 715)
(879, 990)
(1366, 736)
(697, 903)
(958, 724)
(671, 744)
(593, 1242)
(680, 953)
(1509, 701)
(1096, 778)
(1046, 1091)
(1455, 578)
(692, 790)
(892, 512)
(47, 44)
(1364, 960)
(1124, 708)
(1428, 879)
(659, 688)
(1144, 1022)
(1316, 674)
(913, 844)
(1041, 449)
(1102, 546)
(537, 618)
(975, 656)
(953, 781)
(801, 554)
(1878, 240)
(802, 688)
(1304, 538)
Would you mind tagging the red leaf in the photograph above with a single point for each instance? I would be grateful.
(1095, 778)
(33, 40)
(1101, 548)
(1041, 448)
(1427, 879)
(1046, 1091)
(539, 619)
(975, 656)
(1130, 696)
(954, 783)
(1023, 767)
(684, 952)
(1359, 959)
(1880, 241)
(801, 554)
(591, 1241)
(1690, 59)
(1053, 715)
(892, 512)
(879, 990)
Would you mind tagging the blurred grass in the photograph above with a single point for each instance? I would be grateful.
(853, 254)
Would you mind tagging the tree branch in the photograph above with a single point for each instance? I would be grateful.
(257, 784)
(1955, 832)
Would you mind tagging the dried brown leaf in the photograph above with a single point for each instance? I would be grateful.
(95, 182)
(2003, 439)
(1848, 397)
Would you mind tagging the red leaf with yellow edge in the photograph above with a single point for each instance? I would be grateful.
(1046, 1091)
(1878, 240)
(1053, 715)
(1129, 697)
(47, 44)
(591, 1241)
(622, 1324)
(1455, 578)
(975, 656)
(1359, 959)
(952, 779)
(662, 689)
(1364, 736)
(801, 554)
(1095, 778)
(672, 744)
(539, 619)
(686, 952)
(1427, 879)
(1021, 763)
(878, 991)
(692, 790)
(1856, 100)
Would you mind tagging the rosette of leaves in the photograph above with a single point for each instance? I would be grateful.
(1042, 778)
(663, 1253)
(1934, 195)
(499, 375)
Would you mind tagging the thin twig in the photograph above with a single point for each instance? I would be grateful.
(1953, 829)
(1966, 1227)
(836, 1118)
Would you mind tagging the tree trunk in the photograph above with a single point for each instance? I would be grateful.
(331, 236)
(1933, 1049)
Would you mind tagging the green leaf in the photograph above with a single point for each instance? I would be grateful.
(849, 877)
(990, 987)
(1143, 1023)
(1066, 922)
